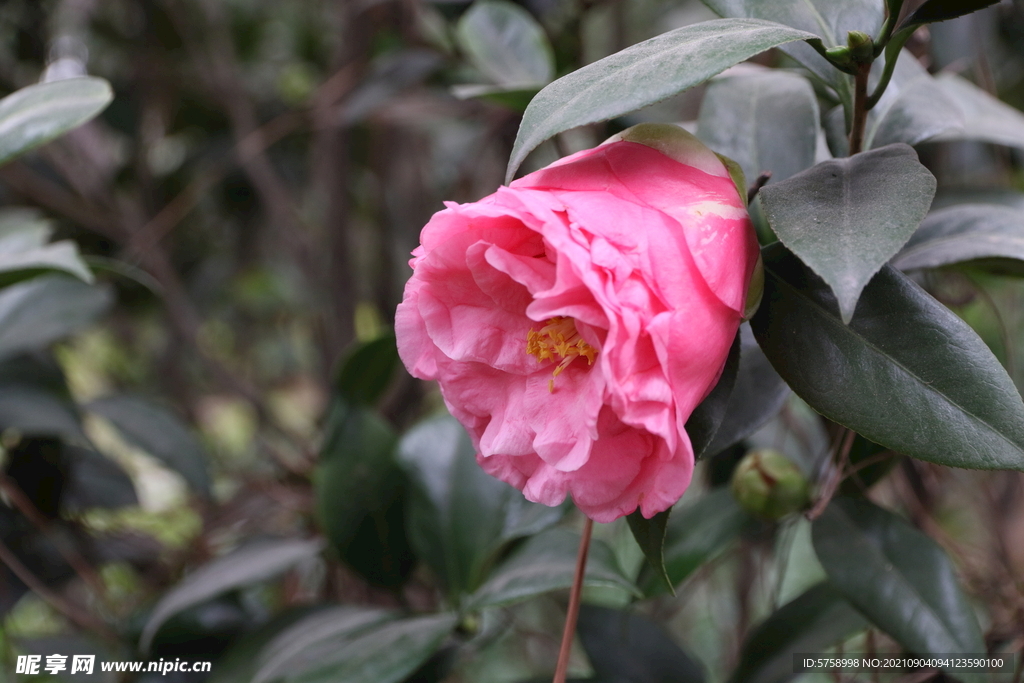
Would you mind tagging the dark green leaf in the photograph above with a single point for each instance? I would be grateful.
(650, 536)
(697, 533)
(758, 395)
(239, 664)
(896, 576)
(387, 653)
(305, 644)
(95, 482)
(985, 118)
(506, 44)
(965, 232)
(906, 373)
(547, 562)
(643, 74)
(357, 465)
(459, 517)
(944, 10)
(871, 462)
(764, 122)
(251, 564)
(367, 371)
(40, 311)
(705, 420)
(24, 251)
(160, 433)
(35, 400)
(846, 217)
(812, 622)
(37, 114)
(627, 646)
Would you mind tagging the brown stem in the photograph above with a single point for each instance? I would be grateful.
(83, 619)
(832, 483)
(574, 604)
(860, 108)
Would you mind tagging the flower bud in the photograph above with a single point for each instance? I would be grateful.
(862, 48)
(767, 484)
(840, 56)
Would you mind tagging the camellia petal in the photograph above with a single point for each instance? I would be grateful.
(575, 319)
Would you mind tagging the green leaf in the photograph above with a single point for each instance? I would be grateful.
(386, 653)
(913, 109)
(38, 312)
(357, 466)
(811, 622)
(764, 121)
(966, 232)
(35, 400)
(514, 98)
(310, 641)
(643, 74)
(37, 114)
(943, 10)
(696, 533)
(506, 44)
(159, 432)
(705, 420)
(650, 536)
(846, 217)
(255, 563)
(24, 251)
(985, 118)
(896, 576)
(95, 482)
(757, 396)
(367, 371)
(459, 517)
(828, 19)
(623, 645)
(906, 372)
(547, 562)
(240, 662)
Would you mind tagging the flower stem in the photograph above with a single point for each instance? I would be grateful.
(860, 108)
(574, 604)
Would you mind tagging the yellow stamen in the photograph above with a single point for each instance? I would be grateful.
(558, 340)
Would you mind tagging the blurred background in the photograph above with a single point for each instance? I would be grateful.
(248, 202)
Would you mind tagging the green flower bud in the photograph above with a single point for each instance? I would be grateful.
(767, 484)
(862, 48)
(840, 56)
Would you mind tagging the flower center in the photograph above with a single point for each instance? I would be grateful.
(558, 340)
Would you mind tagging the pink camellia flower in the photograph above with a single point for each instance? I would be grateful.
(576, 318)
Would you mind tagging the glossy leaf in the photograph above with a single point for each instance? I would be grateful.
(905, 372)
(387, 653)
(763, 121)
(697, 533)
(547, 562)
(506, 44)
(460, 518)
(650, 536)
(985, 118)
(896, 576)
(356, 464)
(40, 311)
(913, 109)
(962, 233)
(846, 217)
(811, 622)
(757, 396)
(944, 10)
(37, 114)
(643, 74)
(35, 400)
(159, 432)
(251, 564)
(705, 420)
(367, 371)
(623, 645)
(305, 644)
